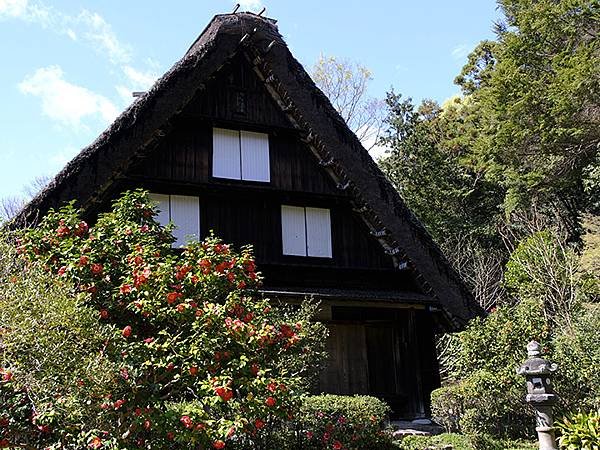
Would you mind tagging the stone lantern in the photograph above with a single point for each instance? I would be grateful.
(540, 396)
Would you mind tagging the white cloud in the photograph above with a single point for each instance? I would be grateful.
(136, 81)
(69, 32)
(125, 93)
(90, 26)
(65, 102)
(13, 8)
(140, 80)
(250, 5)
(102, 37)
(24, 10)
(461, 51)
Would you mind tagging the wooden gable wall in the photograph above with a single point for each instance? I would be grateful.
(244, 212)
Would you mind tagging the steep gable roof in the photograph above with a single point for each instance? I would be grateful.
(134, 133)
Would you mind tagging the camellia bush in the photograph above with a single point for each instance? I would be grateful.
(112, 339)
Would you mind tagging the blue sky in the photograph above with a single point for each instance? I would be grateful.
(68, 67)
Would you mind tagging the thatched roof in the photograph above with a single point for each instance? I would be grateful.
(90, 174)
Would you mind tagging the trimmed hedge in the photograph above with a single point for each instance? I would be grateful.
(339, 422)
(462, 442)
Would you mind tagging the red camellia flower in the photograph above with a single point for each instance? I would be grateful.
(172, 297)
(97, 268)
(147, 424)
(337, 445)
(43, 428)
(182, 272)
(96, 442)
(83, 260)
(186, 421)
(125, 289)
(62, 271)
(270, 401)
(225, 393)
(81, 228)
(254, 369)
(259, 424)
(272, 387)
(221, 248)
(104, 314)
(127, 331)
(287, 331)
(62, 231)
(309, 435)
(204, 263)
(219, 444)
(221, 267)
(193, 371)
(7, 376)
(119, 403)
(181, 307)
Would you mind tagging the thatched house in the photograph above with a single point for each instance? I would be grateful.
(236, 138)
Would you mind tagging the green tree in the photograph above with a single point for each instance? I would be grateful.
(125, 343)
(537, 92)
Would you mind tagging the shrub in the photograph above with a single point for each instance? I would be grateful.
(49, 360)
(448, 405)
(184, 351)
(486, 395)
(462, 442)
(341, 422)
(457, 441)
(580, 431)
(577, 352)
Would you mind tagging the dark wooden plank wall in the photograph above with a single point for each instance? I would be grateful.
(389, 353)
(244, 212)
(185, 155)
(236, 94)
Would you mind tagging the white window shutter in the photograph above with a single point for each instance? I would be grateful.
(185, 214)
(162, 207)
(226, 154)
(293, 230)
(318, 232)
(255, 156)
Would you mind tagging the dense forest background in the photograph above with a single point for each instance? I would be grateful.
(517, 153)
(506, 177)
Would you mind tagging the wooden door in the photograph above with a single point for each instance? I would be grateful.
(347, 370)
